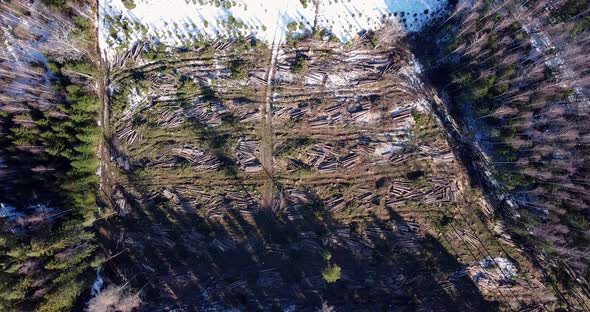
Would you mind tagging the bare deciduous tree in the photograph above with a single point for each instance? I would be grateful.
(114, 299)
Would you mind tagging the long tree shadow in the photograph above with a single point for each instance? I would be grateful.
(274, 261)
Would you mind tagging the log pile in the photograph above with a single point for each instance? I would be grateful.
(257, 79)
(240, 201)
(250, 116)
(326, 159)
(247, 155)
(354, 78)
(367, 198)
(171, 119)
(293, 202)
(132, 55)
(161, 236)
(216, 205)
(402, 115)
(293, 164)
(294, 113)
(223, 245)
(208, 114)
(439, 191)
(198, 158)
(335, 203)
(128, 136)
(269, 278)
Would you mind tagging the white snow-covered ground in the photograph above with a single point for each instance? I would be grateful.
(492, 271)
(345, 18)
(9, 212)
(97, 285)
(176, 22)
(13, 214)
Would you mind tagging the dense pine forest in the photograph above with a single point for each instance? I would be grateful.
(48, 144)
(515, 76)
(222, 190)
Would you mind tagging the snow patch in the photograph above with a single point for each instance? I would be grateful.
(507, 268)
(136, 99)
(9, 212)
(97, 285)
(493, 271)
(180, 22)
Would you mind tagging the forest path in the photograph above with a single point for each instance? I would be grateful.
(266, 129)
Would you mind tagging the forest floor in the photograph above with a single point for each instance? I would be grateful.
(356, 170)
